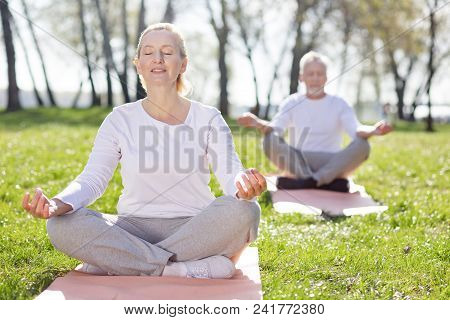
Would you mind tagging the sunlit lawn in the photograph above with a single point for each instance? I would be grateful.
(403, 253)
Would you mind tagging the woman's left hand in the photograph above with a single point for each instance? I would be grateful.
(255, 184)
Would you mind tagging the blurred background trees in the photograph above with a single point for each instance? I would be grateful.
(243, 54)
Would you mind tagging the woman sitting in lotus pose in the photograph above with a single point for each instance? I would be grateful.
(168, 222)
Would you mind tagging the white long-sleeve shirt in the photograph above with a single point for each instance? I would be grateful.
(315, 125)
(165, 168)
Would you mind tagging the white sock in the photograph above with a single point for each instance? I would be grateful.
(175, 269)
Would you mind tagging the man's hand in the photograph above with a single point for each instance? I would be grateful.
(382, 128)
(378, 129)
(255, 184)
(248, 120)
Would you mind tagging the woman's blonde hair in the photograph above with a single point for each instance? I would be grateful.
(182, 83)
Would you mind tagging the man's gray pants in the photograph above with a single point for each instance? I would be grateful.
(324, 167)
(124, 245)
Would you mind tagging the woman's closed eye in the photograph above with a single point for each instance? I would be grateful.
(164, 53)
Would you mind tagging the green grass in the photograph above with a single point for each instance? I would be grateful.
(301, 257)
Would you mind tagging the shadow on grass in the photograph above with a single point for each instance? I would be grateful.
(336, 219)
(26, 119)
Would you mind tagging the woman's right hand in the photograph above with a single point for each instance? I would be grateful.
(40, 206)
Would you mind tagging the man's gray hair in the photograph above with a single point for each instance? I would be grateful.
(313, 56)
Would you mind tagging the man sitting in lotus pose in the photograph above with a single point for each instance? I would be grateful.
(315, 123)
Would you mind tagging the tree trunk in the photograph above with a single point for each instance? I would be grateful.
(77, 96)
(222, 37)
(223, 99)
(109, 55)
(431, 67)
(275, 75)
(13, 90)
(169, 14)
(301, 46)
(415, 103)
(374, 71)
(399, 86)
(400, 91)
(110, 98)
(39, 100)
(255, 82)
(124, 75)
(400, 81)
(347, 32)
(359, 92)
(41, 58)
(140, 91)
(296, 55)
(94, 97)
(243, 30)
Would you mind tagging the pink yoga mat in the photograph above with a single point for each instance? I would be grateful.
(245, 284)
(316, 202)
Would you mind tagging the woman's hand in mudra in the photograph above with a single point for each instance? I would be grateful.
(40, 206)
(254, 182)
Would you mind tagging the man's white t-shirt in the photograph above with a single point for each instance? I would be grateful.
(315, 125)
(165, 168)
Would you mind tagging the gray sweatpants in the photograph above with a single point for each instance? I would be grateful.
(324, 167)
(122, 245)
